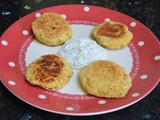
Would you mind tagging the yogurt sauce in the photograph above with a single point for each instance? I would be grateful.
(81, 51)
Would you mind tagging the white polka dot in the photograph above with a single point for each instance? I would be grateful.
(38, 15)
(133, 24)
(144, 77)
(135, 94)
(141, 43)
(42, 96)
(4, 42)
(69, 108)
(102, 102)
(108, 19)
(12, 64)
(157, 57)
(64, 16)
(25, 32)
(86, 9)
(11, 82)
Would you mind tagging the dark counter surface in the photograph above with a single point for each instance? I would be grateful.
(145, 11)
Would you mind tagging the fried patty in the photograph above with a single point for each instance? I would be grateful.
(51, 29)
(105, 78)
(113, 35)
(50, 72)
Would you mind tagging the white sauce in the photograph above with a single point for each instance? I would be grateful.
(81, 51)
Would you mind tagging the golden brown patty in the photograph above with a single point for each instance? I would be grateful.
(105, 78)
(111, 34)
(50, 72)
(51, 29)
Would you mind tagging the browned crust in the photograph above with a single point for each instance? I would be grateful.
(113, 35)
(50, 72)
(116, 30)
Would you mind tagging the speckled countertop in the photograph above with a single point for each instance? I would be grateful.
(145, 11)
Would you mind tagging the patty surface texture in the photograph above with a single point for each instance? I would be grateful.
(50, 72)
(51, 29)
(105, 78)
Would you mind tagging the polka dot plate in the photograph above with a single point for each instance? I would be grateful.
(18, 48)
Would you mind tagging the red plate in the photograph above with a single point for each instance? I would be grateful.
(18, 48)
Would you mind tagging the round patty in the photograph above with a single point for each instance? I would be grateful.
(51, 29)
(105, 78)
(50, 72)
(113, 35)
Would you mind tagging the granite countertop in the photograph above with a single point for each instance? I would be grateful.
(145, 11)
